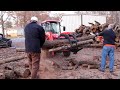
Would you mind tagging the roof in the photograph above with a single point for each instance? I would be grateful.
(50, 21)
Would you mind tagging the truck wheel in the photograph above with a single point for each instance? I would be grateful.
(10, 43)
(66, 53)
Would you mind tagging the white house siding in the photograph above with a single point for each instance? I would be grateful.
(71, 22)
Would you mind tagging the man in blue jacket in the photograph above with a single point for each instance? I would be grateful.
(34, 40)
(108, 48)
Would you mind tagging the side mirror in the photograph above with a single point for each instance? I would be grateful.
(63, 28)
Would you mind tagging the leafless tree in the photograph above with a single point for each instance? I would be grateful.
(4, 15)
(22, 17)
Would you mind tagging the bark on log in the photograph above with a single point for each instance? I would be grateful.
(12, 59)
(88, 62)
(20, 49)
(93, 66)
(22, 72)
(9, 74)
(93, 45)
(2, 76)
(69, 46)
(50, 44)
(17, 73)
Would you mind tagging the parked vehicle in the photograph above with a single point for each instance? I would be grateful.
(4, 42)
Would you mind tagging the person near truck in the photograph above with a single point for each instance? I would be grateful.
(34, 40)
(108, 48)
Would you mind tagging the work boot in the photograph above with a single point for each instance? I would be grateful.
(101, 70)
(111, 71)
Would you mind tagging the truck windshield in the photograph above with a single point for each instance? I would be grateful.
(51, 27)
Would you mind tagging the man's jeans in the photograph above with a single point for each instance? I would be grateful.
(107, 50)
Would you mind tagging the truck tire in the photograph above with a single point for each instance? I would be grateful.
(66, 53)
(10, 43)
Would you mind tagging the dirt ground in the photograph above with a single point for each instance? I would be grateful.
(49, 71)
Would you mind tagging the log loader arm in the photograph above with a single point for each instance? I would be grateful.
(72, 40)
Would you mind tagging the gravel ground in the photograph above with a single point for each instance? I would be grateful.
(48, 71)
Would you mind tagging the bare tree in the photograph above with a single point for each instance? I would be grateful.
(4, 15)
(8, 24)
(22, 17)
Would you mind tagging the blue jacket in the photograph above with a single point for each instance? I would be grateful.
(34, 37)
(109, 36)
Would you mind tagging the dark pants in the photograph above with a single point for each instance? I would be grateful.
(34, 60)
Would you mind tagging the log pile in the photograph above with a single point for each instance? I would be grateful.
(16, 73)
(12, 59)
(55, 43)
(72, 63)
(85, 62)
(12, 70)
(63, 42)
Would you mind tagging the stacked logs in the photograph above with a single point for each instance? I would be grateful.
(12, 70)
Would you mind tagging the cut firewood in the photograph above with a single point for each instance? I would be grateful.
(9, 74)
(12, 72)
(22, 72)
(8, 67)
(2, 76)
(26, 65)
(85, 65)
(93, 66)
(93, 45)
(12, 59)
(20, 49)
(88, 62)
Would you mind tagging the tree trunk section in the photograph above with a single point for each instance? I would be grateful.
(79, 44)
(12, 59)
(22, 72)
(2, 23)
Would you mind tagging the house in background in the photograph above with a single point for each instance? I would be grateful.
(14, 32)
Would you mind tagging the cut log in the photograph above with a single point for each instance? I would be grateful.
(93, 45)
(26, 65)
(93, 66)
(20, 49)
(50, 44)
(79, 44)
(88, 62)
(16, 72)
(8, 67)
(85, 65)
(9, 74)
(12, 59)
(2, 76)
(22, 72)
